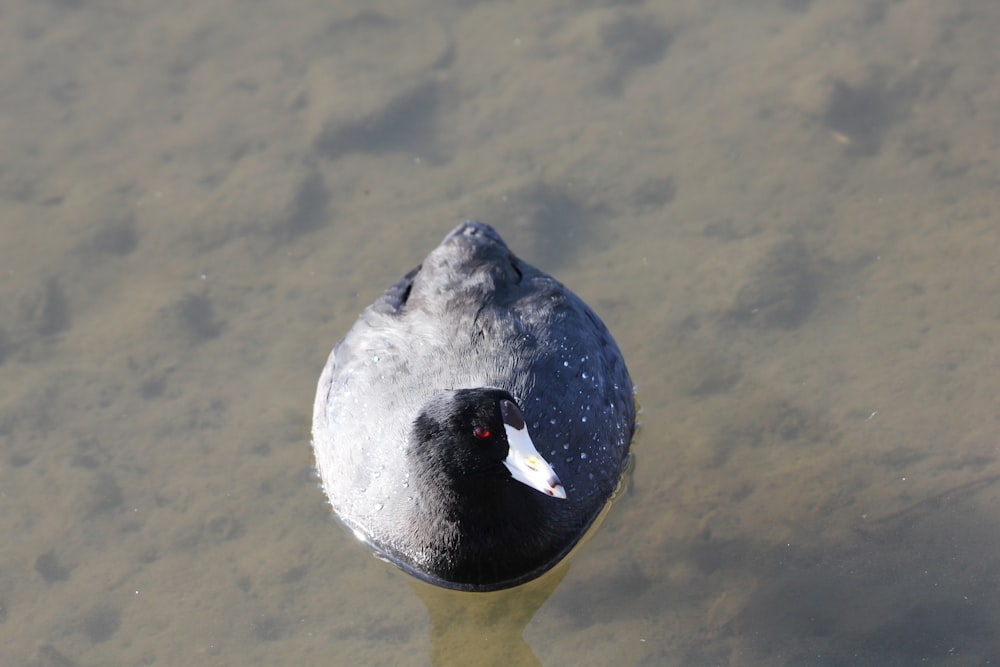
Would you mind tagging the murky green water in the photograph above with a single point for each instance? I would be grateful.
(785, 211)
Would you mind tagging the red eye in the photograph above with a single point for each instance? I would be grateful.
(481, 432)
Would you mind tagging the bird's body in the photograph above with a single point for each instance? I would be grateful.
(467, 343)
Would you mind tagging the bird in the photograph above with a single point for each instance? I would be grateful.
(475, 420)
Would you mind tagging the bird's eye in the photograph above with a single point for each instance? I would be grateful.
(481, 432)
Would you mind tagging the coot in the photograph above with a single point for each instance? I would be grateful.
(475, 420)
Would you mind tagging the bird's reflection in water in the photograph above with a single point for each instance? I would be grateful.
(485, 628)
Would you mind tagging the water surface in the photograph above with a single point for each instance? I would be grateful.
(785, 211)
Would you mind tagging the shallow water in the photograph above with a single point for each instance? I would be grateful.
(784, 210)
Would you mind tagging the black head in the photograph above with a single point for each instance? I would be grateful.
(471, 441)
